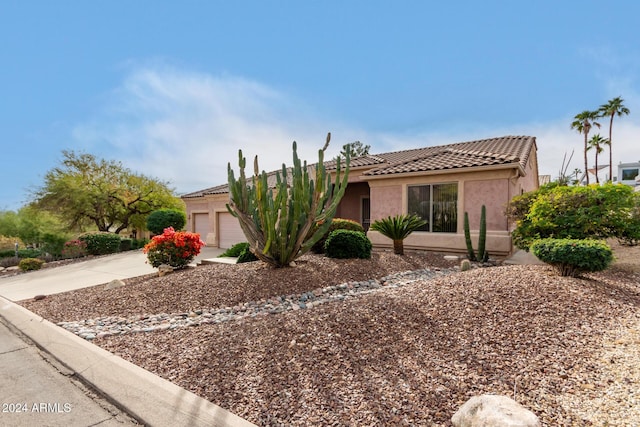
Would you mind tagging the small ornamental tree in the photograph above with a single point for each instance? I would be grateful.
(158, 220)
(176, 249)
(397, 228)
(276, 221)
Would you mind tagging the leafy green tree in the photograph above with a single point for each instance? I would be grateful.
(357, 149)
(165, 218)
(583, 123)
(9, 223)
(276, 221)
(88, 191)
(614, 107)
(596, 143)
(398, 228)
(561, 212)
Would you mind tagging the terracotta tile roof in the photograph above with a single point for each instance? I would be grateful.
(506, 150)
(487, 152)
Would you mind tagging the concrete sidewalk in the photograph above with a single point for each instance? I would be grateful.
(83, 274)
(51, 377)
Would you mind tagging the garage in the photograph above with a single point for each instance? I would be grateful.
(229, 230)
(201, 224)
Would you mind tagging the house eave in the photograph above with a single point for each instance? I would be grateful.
(516, 166)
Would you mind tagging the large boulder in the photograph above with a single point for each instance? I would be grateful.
(494, 411)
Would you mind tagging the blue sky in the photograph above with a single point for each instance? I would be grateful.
(174, 89)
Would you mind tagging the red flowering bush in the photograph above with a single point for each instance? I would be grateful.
(74, 249)
(176, 249)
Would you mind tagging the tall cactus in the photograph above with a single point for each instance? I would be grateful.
(483, 255)
(276, 222)
(482, 238)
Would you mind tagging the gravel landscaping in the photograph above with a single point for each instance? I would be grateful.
(353, 342)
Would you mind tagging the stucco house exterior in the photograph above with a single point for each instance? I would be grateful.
(438, 183)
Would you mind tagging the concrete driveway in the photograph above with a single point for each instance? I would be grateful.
(83, 274)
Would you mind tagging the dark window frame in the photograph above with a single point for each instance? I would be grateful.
(440, 210)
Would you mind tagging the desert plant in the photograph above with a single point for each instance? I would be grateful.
(9, 261)
(483, 255)
(29, 264)
(276, 222)
(235, 250)
(336, 224)
(176, 249)
(571, 257)
(101, 243)
(158, 220)
(397, 228)
(347, 244)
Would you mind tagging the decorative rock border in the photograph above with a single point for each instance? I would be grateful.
(113, 325)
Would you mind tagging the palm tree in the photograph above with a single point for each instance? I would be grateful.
(596, 142)
(613, 108)
(397, 228)
(583, 123)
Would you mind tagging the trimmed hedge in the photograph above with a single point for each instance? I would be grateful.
(101, 243)
(571, 257)
(336, 224)
(347, 244)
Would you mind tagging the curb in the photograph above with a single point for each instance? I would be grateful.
(143, 395)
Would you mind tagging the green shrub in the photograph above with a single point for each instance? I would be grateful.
(571, 257)
(138, 243)
(7, 253)
(53, 244)
(125, 244)
(101, 243)
(235, 250)
(28, 264)
(347, 244)
(336, 224)
(29, 253)
(158, 220)
(246, 256)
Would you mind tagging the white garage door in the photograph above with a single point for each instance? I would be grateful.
(229, 230)
(201, 225)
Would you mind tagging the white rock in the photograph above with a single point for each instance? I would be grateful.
(493, 411)
(115, 283)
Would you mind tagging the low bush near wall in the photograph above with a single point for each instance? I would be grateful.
(29, 264)
(176, 249)
(571, 257)
(336, 224)
(101, 243)
(347, 244)
(74, 249)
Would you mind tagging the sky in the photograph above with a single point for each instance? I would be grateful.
(174, 89)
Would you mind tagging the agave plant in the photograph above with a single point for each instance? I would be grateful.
(397, 228)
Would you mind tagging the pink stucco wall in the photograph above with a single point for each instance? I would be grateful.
(494, 194)
(350, 205)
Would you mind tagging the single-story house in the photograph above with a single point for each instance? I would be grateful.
(438, 183)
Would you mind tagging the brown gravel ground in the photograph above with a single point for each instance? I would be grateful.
(566, 348)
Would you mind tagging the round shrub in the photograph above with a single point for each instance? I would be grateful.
(74, 249)
(176, 249)
(336, 224)
(347, 244)
(571, 257)
(29, 264)
(158, 220)
(101, 243)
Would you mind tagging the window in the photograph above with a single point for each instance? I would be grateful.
(629, 174)
(435, 203)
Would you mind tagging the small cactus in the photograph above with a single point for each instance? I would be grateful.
(483, 255)
(465, 265)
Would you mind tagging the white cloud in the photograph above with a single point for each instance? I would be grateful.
(184, 127)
